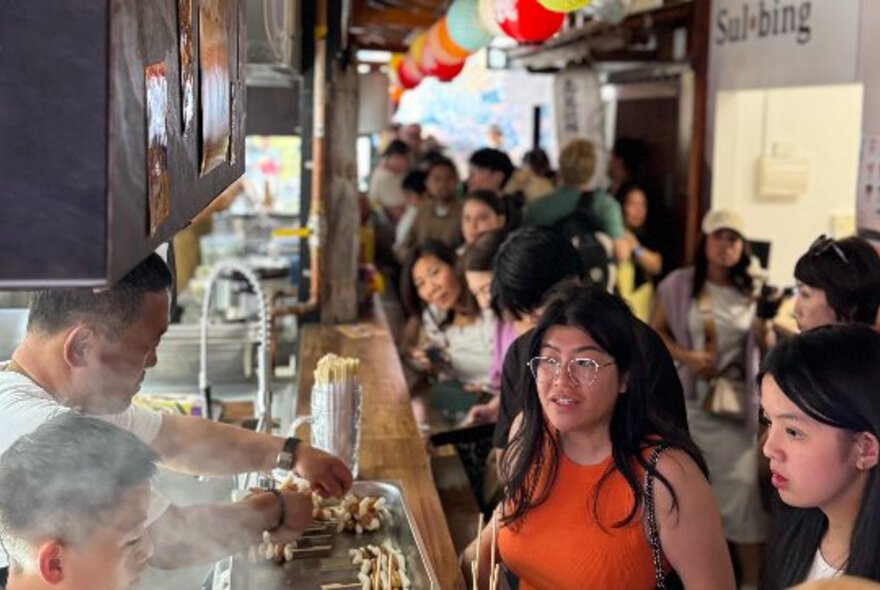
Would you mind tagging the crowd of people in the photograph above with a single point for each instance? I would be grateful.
(652, 429)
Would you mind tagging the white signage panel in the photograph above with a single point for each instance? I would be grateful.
(773, 43)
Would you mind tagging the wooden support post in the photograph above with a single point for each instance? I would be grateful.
(340, 212)
(696, 185)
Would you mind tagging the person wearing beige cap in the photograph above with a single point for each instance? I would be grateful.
(706, 316)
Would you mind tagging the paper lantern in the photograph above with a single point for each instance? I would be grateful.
(487, 17)
(563, 5)
(441, 45)
(393, 65)
(447, 73)
(409, 74)
(526, 20)
(423, 55)
(465, 28)
(416, 49)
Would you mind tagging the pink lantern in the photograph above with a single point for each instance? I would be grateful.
(423, 55)
(409, 74)
(526, 20)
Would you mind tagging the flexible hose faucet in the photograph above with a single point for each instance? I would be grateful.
(264, 393)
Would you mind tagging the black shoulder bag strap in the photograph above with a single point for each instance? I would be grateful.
(653, 535)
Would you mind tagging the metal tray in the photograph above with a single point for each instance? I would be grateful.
(310, 573)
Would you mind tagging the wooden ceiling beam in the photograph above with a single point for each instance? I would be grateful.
(365, 16)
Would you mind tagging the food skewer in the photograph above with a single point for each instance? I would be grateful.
(494, 535)
(475, 565)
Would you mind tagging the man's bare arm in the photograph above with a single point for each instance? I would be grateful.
(199, 446)
(189, 535)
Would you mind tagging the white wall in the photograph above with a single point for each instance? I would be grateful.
(824, 125)
(869, 65)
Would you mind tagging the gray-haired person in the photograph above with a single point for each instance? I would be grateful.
(73, 506)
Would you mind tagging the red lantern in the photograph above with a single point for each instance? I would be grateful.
(526, 20)
(409, 74)
(446, 73)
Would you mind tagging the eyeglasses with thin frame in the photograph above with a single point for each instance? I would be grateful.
(824, 243)
(581, 371)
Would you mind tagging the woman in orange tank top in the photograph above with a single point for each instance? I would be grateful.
(575, 469)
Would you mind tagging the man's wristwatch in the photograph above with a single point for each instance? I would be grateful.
(287, 457)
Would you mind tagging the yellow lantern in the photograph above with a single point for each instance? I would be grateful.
(563, 5)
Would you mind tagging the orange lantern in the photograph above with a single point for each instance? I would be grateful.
(432, 45)
(449, 46)
(396, 93)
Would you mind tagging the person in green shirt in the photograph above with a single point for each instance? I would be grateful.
(577, 162)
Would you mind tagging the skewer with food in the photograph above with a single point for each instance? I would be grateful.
(381, 568)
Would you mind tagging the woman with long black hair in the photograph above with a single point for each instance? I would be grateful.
(592, 439)
(819, 399)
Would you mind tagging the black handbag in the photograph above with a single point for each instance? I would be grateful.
(669, 581)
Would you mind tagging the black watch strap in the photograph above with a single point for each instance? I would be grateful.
(287, 457)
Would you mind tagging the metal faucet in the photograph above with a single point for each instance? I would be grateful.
(264, 392)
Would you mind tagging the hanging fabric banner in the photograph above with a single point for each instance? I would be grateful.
(580, 112)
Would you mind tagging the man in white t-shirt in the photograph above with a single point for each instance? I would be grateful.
(73, 506)
(88, 351)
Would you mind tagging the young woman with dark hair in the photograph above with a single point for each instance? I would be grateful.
(592, 432)
(706, 314)
(530, 262)
(482, 211)
(454, 343)
(819, 399)
(478, 264)
(838, 281)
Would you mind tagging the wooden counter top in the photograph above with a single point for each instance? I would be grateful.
(391, 447)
